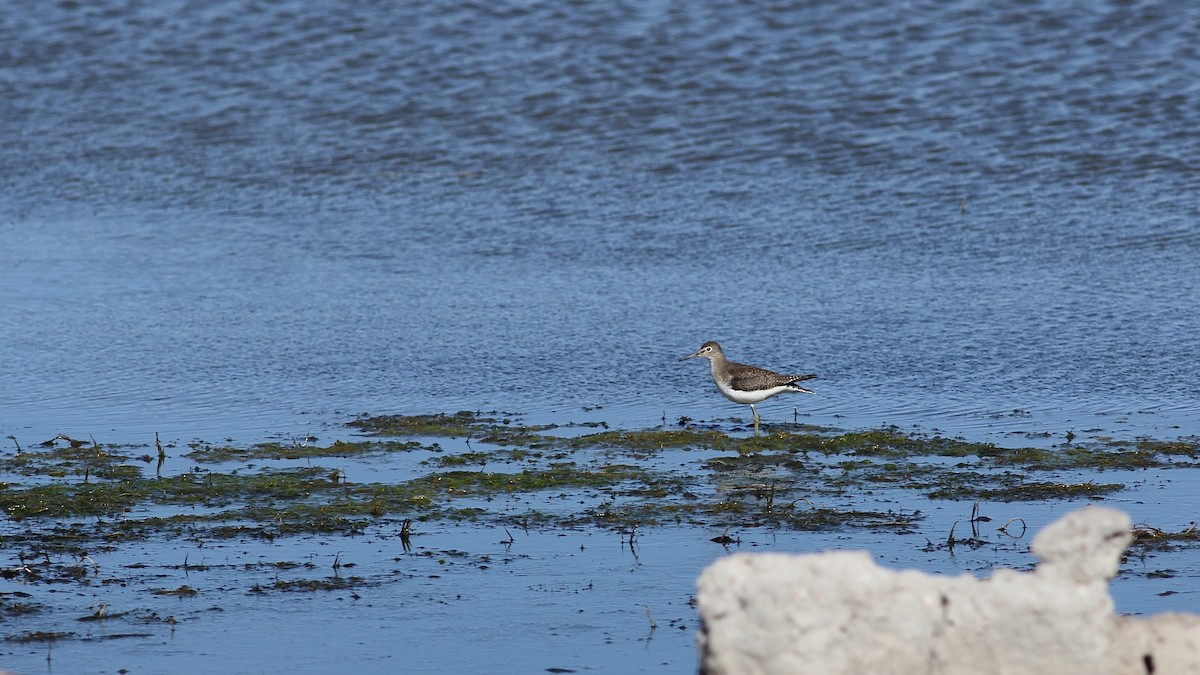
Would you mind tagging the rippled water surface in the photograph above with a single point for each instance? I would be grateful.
(259, 219)
(223, 217)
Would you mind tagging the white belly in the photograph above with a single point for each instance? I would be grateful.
(746, 397)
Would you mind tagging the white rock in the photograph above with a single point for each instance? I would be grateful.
(839, 612)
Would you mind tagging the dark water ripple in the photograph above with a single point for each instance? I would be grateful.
(278, 95)
(951, 210)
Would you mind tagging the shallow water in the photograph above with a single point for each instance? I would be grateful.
(221, 220)
(259, 220)
(501, 598)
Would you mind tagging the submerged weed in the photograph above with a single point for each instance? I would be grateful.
(40, 636)
(462, 459)
(461, 423)
(87, 498)
(1147, 538)
(334, 583)
(654, 440)
(184, 591)
(1031, 491)
(1189, 447)
(276, 451)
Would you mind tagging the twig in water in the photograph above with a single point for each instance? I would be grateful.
(14, 440)
(162, 455)
(187, 566)
(725, 539)
(1004, 528)
(406, 534)
(652, 624)
(73, 442)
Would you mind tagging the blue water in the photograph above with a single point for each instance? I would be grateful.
(259, 219)
(229, 219)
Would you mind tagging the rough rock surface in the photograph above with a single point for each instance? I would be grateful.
(839, 612)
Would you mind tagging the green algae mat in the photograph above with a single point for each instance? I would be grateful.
(69, 501)
(68, 495)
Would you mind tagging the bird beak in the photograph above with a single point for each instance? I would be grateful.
(690, 356)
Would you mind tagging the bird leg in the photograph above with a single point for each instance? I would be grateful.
(752, 410)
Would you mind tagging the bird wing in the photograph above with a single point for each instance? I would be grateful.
(750, 378)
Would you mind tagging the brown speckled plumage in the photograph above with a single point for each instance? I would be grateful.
(745, 384)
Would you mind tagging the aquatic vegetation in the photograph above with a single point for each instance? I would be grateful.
(276, 451)
(64, 500)
(99, 482)
(1189, 447)
(1147, 538)
(1028, 491)
(183, 591)
(72, 460)
(334, 583)
(456, 425)
(40, 636)
(461, 459)
(654, 440)
(69, 501)
(12, 604)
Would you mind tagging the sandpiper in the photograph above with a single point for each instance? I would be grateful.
(747, 384)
